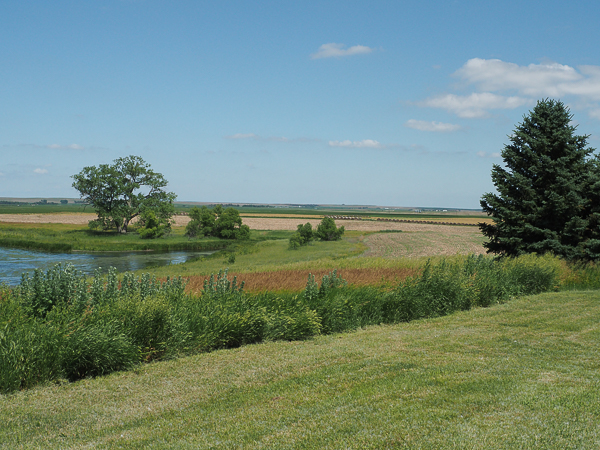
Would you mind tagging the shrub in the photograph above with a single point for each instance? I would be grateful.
(153, 227)
(60, 285)
(327, 231)
(440, 290)
(532, 274)
(96, 349)
(302, 236)
(225, 224)
(29, 353)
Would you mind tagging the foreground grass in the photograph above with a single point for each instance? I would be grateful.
(518, 375)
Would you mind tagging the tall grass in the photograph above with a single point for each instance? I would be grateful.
(57, 325)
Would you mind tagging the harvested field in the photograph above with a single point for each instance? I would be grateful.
(351, 225)
(255, 223)
(295, 280)
(70, 218)
(443, 241)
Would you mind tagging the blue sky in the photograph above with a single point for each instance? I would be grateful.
(396, 103)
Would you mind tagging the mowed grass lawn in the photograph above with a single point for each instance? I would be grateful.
(520, 375)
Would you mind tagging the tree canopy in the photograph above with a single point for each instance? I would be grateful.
(548, 193)
(217, 222)
(122, 191)
(327, 230)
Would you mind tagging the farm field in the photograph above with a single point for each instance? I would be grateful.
(518, 375)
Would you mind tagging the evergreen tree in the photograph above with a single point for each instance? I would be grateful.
(548, 192)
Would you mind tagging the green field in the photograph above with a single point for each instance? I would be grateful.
(519, 375)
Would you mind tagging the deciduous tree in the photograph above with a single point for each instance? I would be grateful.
(120, 192)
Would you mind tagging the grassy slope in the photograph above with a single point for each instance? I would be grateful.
(519, 375)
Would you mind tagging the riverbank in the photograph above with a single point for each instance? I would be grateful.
(69, 237)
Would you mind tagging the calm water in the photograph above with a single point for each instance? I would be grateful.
(14, 262)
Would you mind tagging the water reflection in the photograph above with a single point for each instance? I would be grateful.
(13, 262)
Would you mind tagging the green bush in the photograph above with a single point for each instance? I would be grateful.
(59, 286)
(225, 224)
(29, 353)
(96, 349)
(152, 226)
(302, 236)
(327, 231)
(440, 290)
(532, 274)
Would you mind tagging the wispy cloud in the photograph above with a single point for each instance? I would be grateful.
(65, 147)
(257, 137)
(40, 171)
(243, 136)
(366, 143)
(333, 50)
(438, 127)
(595, 113)
(475, 104)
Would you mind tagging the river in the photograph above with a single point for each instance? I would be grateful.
(13, 262)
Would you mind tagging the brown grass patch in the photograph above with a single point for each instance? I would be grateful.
(295, 280)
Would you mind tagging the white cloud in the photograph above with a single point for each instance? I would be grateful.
(40, 171)
(366, 143)
(533, 80)
(423, 125)
(504, 85)
(474, 105)
(333, 50)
